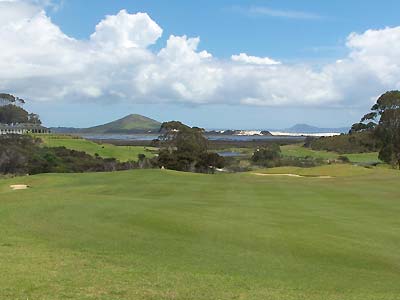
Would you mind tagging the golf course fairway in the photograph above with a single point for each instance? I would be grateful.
(158, 234)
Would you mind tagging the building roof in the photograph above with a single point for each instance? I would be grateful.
(25, 126)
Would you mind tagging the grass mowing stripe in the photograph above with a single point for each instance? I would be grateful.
(153, 234)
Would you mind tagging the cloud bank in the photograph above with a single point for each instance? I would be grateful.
(38, 61)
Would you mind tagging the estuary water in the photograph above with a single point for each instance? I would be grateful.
(150, 137)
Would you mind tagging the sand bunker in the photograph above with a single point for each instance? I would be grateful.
(19, 187)
(292, 175)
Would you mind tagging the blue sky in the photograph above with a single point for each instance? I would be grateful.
(298, 34)
(227, 27)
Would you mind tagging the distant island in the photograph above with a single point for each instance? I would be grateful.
(305, 128)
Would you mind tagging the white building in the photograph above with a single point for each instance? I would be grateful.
(22, 129)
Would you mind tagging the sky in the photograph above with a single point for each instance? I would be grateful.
(215, 64)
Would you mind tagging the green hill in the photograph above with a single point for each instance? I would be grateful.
(130, 124)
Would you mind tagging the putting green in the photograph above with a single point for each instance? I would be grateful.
(157, 234)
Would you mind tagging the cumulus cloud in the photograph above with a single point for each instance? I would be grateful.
(180, 72)
(126, 31)
(243, 57)
(38, 61)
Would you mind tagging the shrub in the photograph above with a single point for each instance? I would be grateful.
(343, 159)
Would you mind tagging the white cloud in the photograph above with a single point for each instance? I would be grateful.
(11, 10)
(126, 31)
(248, 59)
(378, 50)
(38, 61)
(180, 73)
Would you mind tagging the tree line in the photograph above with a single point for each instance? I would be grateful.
(378, 130)
(11, 111)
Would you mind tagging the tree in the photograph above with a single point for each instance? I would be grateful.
(267, 156)
(12, 114)
(6, 99)
(209, 162)
(185, 148)
(11, 111)
(384, 123)
(359, 127)
(34, 119)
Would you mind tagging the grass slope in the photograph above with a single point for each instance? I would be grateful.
(122, 153)
(151, 234)
(129, 124)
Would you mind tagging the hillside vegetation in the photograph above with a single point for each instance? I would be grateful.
(130, 124)
(157, 234)
(359, 142)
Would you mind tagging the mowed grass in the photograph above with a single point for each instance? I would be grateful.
(157, 234)
(334, 170)
(121, 153)
(297, 150)
(364, 157)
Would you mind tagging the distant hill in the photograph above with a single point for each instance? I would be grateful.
(130, 124)
(305, 128)
(64, 130)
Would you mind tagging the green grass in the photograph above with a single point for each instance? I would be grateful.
(297, 150)
(122, 153)
(363, 157)
(334, 170)
(152, 234)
